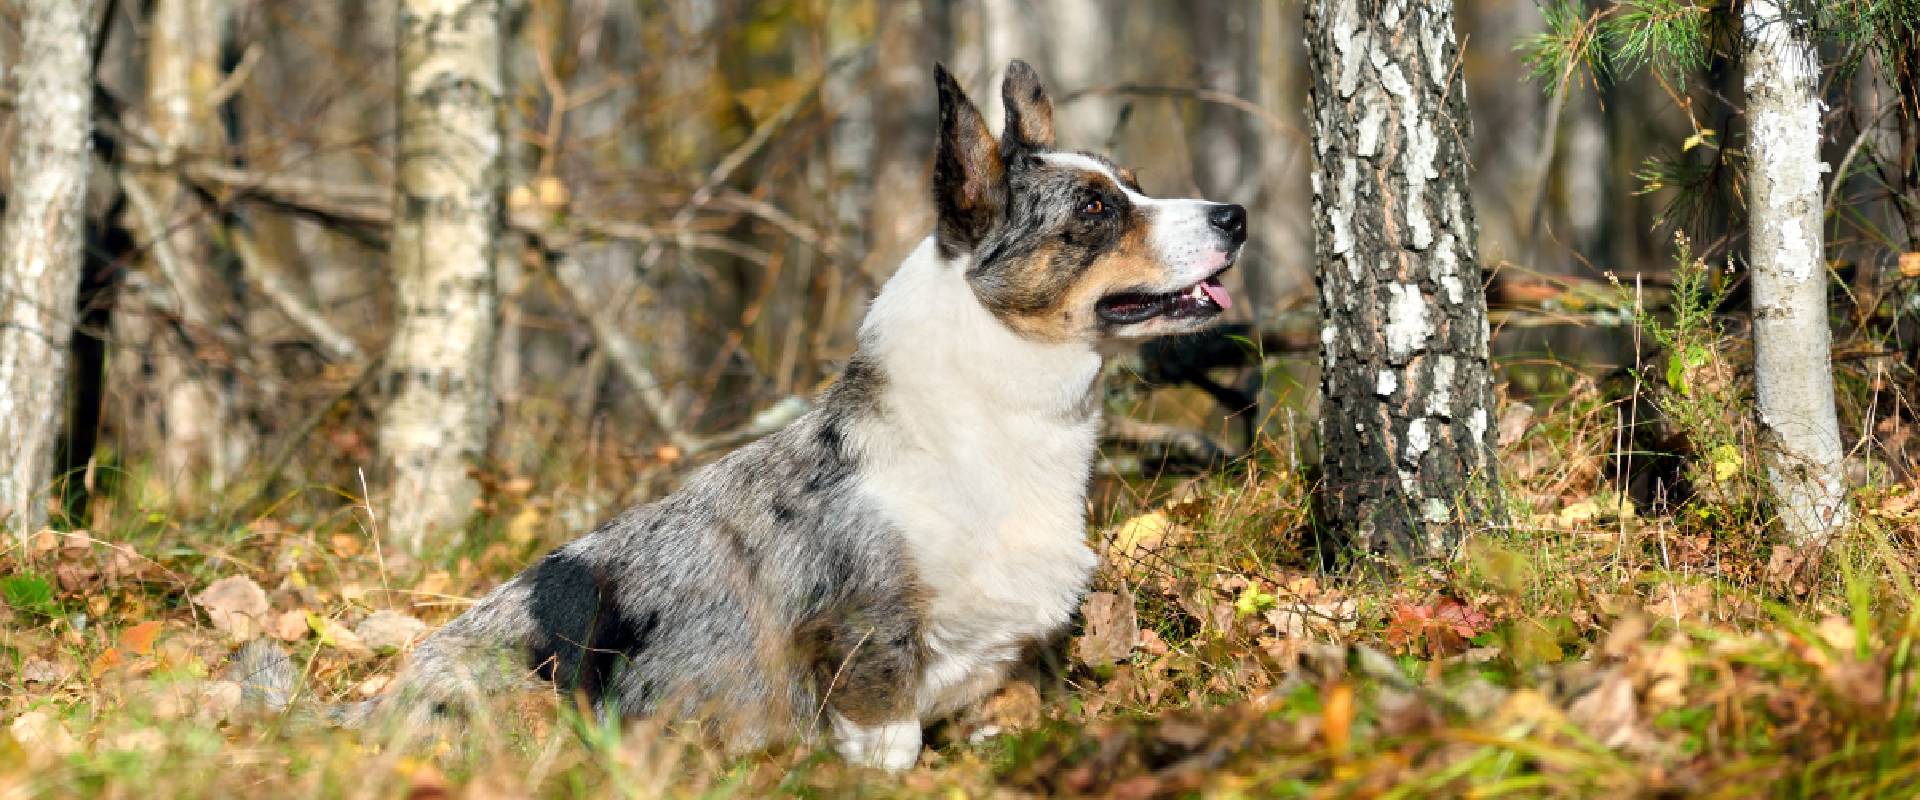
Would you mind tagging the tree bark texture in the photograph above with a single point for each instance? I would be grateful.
(903, 134)
(41, 247)
(1793, 371)
(447, 221)
(1406, 383)
(176, 368)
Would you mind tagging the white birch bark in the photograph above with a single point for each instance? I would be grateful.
(1406, 381)
(175, 344)
(447, 219)
(1081, 41)
(41, 244)
(1793, 371)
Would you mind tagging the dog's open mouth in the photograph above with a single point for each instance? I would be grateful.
(1203, 299)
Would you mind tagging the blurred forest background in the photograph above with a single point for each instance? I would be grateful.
(728, 182)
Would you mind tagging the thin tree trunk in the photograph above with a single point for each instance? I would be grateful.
(1080, 41)
(903, 133)
(176, 370)
(1281, 221)
(1793, 371)
(447, 221)
(41, 242)
(1406, 385)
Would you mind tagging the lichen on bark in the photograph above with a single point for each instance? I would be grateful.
(1406, 382)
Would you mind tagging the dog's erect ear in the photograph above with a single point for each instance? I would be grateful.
(1029, 112)
(969, 179)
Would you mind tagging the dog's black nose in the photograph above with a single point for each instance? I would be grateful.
(1231, 220)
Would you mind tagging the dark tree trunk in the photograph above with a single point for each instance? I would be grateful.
(1406, 385)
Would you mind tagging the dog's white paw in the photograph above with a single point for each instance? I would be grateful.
(984, 733)
(892, 746)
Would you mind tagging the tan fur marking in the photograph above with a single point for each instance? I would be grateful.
(1129, 264)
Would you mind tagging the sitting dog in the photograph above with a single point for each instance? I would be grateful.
(884, 560)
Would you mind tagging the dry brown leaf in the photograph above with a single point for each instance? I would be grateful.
(43, 736)
(1662, 675)
(388, 631)
(1015, 707)
(40, 670)
(1113, 629)
(338, 636)
(105, 661)
(1515, 419)
(1689, 602)
(288, 626)
(1610, 714)
(236, 605)
(346, 545)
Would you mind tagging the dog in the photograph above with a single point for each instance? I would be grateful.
(883, 561)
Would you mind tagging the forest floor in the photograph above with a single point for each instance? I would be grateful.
(1590, 648)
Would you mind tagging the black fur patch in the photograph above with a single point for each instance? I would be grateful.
(585, 636)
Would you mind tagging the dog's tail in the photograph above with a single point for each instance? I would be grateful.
(268, 680)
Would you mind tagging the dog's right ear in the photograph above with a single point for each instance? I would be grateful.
(969, 179)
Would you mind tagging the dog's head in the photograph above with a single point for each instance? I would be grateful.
(1064, 246)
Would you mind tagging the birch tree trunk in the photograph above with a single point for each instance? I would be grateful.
(1081, 40)
(41, 242)
(1793, 372)
(174, 369)
(447, 220)
(903, 133)
(1406, 385)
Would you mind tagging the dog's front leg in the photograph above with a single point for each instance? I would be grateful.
(870, 680)
(892, 746)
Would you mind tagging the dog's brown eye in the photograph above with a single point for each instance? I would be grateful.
(1094, 207)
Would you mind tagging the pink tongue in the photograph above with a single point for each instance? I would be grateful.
(1218, 293)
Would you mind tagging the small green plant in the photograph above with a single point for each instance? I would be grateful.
(1696, 389)
(29, 593)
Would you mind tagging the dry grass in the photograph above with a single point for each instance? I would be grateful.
(1592, 649)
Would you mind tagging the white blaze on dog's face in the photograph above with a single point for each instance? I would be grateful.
(1064, 246)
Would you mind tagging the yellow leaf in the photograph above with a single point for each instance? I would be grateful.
(524, 525)
(1143, 532)
(1704, 136)
(1583, 511)
(553, 194)
(1726, 462)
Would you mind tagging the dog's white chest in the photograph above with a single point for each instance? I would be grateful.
(979, 456)
(996, 532)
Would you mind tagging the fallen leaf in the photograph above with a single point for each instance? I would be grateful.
(1610, 715)
(1112, 631)
(1131, 543)
(1336, 716)
(333, 634)
(345, 545)
(43, 735)
(388, 631)
(288, 626)
(1015, 707)
(236, 605)
(105, 661)
(1513, 424)
(40, 670)
(139, 639)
